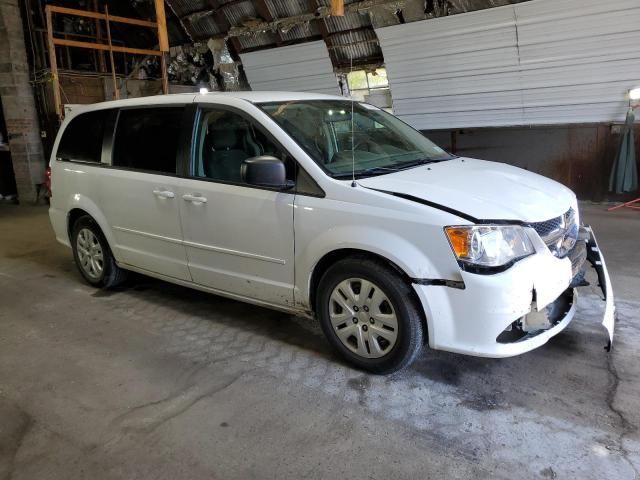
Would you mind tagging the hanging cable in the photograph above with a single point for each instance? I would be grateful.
(353, 153)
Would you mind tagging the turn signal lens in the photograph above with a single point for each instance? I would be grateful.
(459, 240)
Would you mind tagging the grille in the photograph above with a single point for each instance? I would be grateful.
(559, 234)
(546, 228)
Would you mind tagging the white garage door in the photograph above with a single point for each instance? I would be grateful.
(538, 62)
(298, 68)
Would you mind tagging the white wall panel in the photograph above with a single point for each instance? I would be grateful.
(298, 68)
(537, 62)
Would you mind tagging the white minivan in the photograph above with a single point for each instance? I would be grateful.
(320, 206)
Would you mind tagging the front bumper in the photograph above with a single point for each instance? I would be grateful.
(595, 257)
(471, 319)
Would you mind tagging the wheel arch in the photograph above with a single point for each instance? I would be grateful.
(72, 217)
(334, 256)
(84, 206)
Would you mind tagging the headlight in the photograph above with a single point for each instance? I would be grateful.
(489, 246)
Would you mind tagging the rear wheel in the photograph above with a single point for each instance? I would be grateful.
(93, 256)
(369, 315)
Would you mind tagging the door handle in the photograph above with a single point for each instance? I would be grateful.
(164, 193)
(196, 198)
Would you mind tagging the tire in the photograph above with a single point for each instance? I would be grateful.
(359, 325)
(87, 240)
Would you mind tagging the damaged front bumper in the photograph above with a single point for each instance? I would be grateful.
(596, 259)
(517, 310)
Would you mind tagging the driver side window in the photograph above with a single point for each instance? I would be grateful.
(225, 140)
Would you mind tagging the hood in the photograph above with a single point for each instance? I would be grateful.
(480, 189)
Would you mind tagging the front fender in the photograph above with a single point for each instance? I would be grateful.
(405, 255)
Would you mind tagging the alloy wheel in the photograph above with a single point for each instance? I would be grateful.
(90, 254)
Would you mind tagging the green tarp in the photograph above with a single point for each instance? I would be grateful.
(624, 174)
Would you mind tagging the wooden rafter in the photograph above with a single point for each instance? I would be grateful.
(337, 8)
(101, 16)
(105, 47)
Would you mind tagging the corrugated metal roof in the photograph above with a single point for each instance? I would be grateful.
(357, 45)
(256, 40)
(205, 27)
(287, 8)
(237, 13)
(348, 22)
(299, 32)
(185, 7)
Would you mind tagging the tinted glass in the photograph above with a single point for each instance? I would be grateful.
(147, 139)
(82, 139)
(341, 135)
(225, 140)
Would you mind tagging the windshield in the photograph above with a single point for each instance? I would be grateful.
(374, 140)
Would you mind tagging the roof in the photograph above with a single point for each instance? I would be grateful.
(177, 98)
(349, 38)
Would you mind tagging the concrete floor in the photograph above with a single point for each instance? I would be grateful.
(158, 381)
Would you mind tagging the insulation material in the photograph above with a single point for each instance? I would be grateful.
(537, 62)
(226, 68)
(189, 65)
(204, 65)
(298, 68)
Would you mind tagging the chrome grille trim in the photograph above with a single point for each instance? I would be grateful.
(559, 234)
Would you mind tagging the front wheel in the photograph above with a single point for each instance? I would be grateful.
(369, 315)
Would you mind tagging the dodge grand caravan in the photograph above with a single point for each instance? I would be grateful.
(320, 206)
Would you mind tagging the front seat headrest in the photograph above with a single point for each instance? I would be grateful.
(224, 139)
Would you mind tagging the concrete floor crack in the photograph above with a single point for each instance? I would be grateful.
(149, 416)
(626, 426)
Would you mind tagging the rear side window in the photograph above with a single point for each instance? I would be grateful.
(147, 139)
(82, 139)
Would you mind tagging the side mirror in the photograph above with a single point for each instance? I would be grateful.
(265, 171)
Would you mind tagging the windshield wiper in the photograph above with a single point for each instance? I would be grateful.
(383, 170)
(366, 171)
(415, 163)
(377, 170)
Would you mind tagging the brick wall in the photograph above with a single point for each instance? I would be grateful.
(18, 104)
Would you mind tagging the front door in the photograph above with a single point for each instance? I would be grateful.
(139, 192)
(238, 238)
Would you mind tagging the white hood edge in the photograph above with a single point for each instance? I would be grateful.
(480, 189)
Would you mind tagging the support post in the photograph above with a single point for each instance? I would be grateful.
(337, 8)
(116, 91)
(102, 63)
(163, 43)
(53, 65)
(165, 77)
